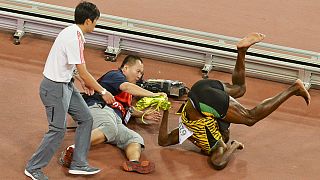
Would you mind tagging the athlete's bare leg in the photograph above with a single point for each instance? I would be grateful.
(240, 115)
(238, 86)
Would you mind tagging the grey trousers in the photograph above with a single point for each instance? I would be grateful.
(60, 99)
(111, 125)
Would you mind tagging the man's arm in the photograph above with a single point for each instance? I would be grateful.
(138, 91)
(88, 91)
(165, 139)
(92, 83)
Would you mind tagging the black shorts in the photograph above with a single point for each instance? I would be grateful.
(209, 98)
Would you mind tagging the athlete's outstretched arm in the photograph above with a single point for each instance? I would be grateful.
(221, 155)
(165, 139)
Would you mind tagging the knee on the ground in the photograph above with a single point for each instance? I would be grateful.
(219, 165)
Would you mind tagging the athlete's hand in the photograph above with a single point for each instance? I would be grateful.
(108, 98)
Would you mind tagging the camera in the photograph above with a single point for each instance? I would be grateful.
(170, 87)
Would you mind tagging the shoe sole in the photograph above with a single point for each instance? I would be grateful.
(144, 167)
(79, 172)
(61, 160)
(66, 155)
(29, 175)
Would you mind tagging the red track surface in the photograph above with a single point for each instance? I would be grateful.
(288, 23)
(283, 146)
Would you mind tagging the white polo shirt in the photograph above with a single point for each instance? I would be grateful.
(66, 52)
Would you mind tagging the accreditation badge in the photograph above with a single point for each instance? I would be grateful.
(127, 117)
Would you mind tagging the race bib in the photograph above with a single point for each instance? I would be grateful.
(127, 118)
(184, 132)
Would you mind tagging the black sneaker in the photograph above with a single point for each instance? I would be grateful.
(84, 170)
(36, 175)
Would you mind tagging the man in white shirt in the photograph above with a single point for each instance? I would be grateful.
(60, 97)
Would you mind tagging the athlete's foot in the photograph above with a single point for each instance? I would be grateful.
(249, 40)
(302, 91)
(239, 145)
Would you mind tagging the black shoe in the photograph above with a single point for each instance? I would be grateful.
(84, 170)
(36, 175)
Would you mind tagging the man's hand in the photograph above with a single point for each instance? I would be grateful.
(108, 98)
(88, 91)
(161, 94)
(153, 116)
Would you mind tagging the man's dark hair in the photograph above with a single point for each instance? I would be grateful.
(130, 60)
(86, 10)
